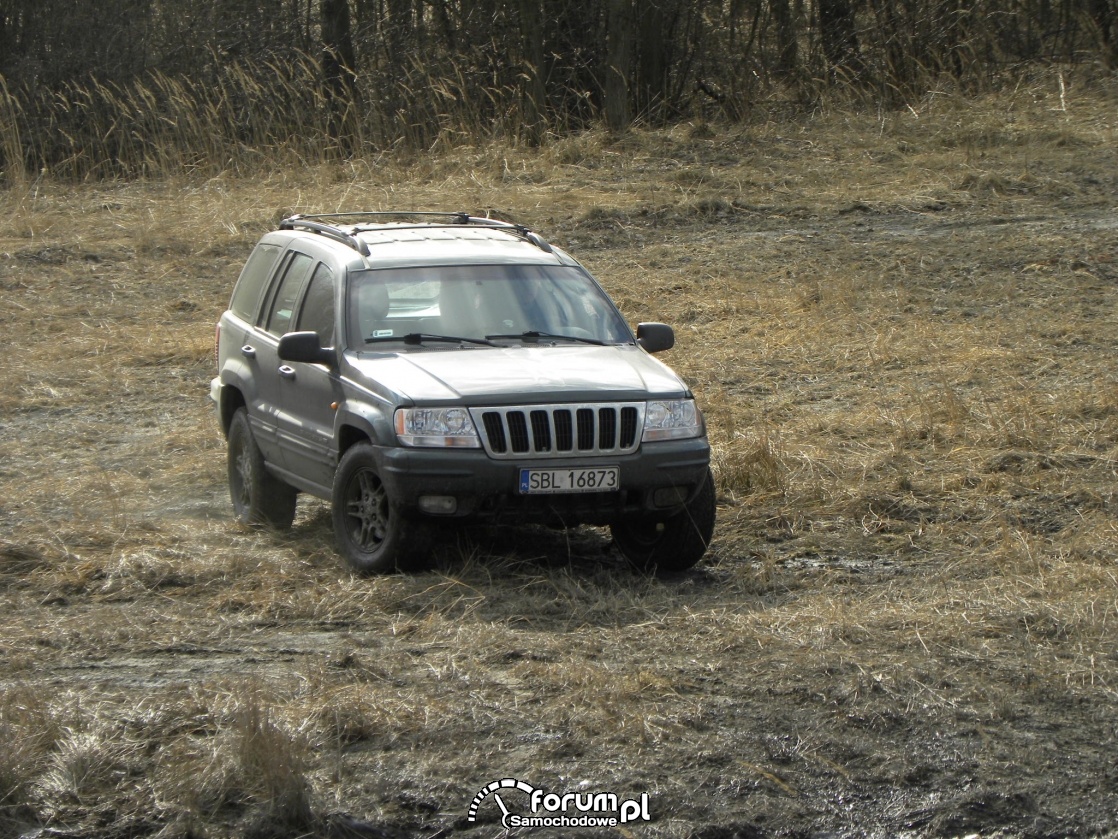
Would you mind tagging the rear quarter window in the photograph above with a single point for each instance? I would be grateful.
(254, 276)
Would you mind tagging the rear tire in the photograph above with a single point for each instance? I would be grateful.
(258, 497)
(669, 545)
(373, 535)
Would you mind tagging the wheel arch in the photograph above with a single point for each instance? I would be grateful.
(349, 436)
(359, 422)
(231, 400)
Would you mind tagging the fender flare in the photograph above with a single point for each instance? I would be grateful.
(232, 378)
(357, 420)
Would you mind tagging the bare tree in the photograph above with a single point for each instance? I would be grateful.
(838, 34)
(786, 38)
(338, 63)
(1104, 16)
(619, 56)
(533, 92)
(657, 22)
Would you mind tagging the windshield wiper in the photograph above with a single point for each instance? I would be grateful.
(533, 334)
(416, 339)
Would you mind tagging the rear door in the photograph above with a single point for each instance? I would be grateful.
(261, 348)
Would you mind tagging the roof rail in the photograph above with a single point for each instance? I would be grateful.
(321, 223)
(518, 229)
(328, 230)
(354, 217)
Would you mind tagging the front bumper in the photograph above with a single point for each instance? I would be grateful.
(489, 489)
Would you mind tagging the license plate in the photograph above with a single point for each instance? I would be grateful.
(578, 479)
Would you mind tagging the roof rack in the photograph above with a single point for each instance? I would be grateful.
(329, 230)
(348, 235)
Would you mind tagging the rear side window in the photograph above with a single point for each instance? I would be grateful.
(317, 312)
(283, 304)
(246, 296)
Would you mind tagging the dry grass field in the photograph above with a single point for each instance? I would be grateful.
(902, 327)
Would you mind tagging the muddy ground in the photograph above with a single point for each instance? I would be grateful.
(903, 330)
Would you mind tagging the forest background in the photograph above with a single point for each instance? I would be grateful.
(149, 87)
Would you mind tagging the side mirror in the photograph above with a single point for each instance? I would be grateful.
(305, 347)
(655, 337)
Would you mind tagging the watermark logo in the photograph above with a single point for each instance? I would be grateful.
(529, 806)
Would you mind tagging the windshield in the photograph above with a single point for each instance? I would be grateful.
(481, 305)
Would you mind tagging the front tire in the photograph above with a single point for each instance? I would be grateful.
(258, 497)
(669, 545)
(373, 535)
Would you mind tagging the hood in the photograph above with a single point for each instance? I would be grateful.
(514, 375)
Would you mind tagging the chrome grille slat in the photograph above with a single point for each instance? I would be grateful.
(551, 431)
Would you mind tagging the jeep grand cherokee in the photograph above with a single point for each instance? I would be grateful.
(411, 367)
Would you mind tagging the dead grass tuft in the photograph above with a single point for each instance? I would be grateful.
(745, 466)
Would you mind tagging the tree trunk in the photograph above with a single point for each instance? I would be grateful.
(533, 93)
(656, 21)
(338, 62)
(619, 59)
(400, 27)
(839, 35)
(788, 52)
(1105, 18)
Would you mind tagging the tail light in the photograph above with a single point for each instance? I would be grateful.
(217, 344)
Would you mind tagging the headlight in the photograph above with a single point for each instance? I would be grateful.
(436, 427)
(672, 419)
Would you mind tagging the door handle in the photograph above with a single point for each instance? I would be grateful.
(287, 372)
(248, 352)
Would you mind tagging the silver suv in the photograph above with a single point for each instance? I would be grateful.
(412, 367)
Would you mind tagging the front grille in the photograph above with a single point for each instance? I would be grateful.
(542, 431)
